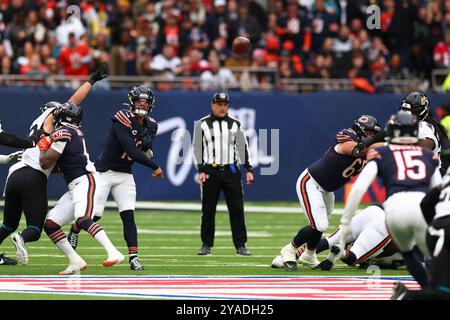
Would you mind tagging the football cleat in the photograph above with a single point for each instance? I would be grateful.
(288, 256)
(277, 262)
(21, 249)
(326, 265)
(76, 265)
(73, 239)
(135, 264)
(309, 260)
(5, 261)
(113, 259)
(335, 254)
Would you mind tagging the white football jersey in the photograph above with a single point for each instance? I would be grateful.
(30, 156)
(427, 131)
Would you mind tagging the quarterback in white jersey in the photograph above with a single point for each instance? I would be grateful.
(26, 185)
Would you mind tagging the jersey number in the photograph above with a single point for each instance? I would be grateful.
(126, 156)
(440, 234)
(355, 167)
(408, 167)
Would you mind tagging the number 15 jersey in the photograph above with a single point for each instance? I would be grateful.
(404, 167)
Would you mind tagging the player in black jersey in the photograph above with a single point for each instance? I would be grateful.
(67, 150)
(315, 187)
(129, 140)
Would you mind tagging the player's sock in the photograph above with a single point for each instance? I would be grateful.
(314, 240)
(304, 235)
(59, 238)
(97, 232)
(322, 246)
(75, 229)
(4, 232)
(31, 233)
(416, 268)
(129, 230)
(349, 258)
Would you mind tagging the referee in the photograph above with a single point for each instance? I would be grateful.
(218, 143)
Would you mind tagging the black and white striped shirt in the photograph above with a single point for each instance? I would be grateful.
(220, 141)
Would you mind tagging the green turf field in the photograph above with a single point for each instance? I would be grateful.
(169, 241)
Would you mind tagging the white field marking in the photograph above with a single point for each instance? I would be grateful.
(195, 232)
(183, 206)
(149, 255)
(33, 248)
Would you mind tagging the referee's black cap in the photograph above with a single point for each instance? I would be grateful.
(220, 97)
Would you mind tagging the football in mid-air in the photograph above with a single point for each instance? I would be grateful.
(240, 46)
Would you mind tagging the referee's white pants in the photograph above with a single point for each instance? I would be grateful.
(405, 221)
(317, 203)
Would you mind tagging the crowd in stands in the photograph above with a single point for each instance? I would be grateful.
(192, 38)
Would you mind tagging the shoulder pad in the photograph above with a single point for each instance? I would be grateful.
(123, 117)
(346, 135)
(61, 134)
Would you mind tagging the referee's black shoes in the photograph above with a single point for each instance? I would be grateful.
(204, 250)
(4, 260)
(242, 251)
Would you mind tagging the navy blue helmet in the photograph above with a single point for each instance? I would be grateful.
(402, 128)
(138, 94)
(68, 113)
(365, 123)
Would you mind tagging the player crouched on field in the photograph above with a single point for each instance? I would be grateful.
(129, 140)
(369, 240)
(67, 149)
(316, 185)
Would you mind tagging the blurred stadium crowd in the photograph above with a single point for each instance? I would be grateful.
(317, 39)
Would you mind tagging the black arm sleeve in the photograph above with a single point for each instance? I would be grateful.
(11, 140)
(429, 202)
(126, 141)
(365, 142)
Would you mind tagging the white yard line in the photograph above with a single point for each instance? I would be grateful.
(183, 206)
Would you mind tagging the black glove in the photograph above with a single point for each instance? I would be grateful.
(35, 137)
(100, 74)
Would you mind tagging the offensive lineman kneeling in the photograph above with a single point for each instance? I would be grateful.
(370, 240)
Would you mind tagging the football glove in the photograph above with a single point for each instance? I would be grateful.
(44, 144)
(100, 74)
(15, 156)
